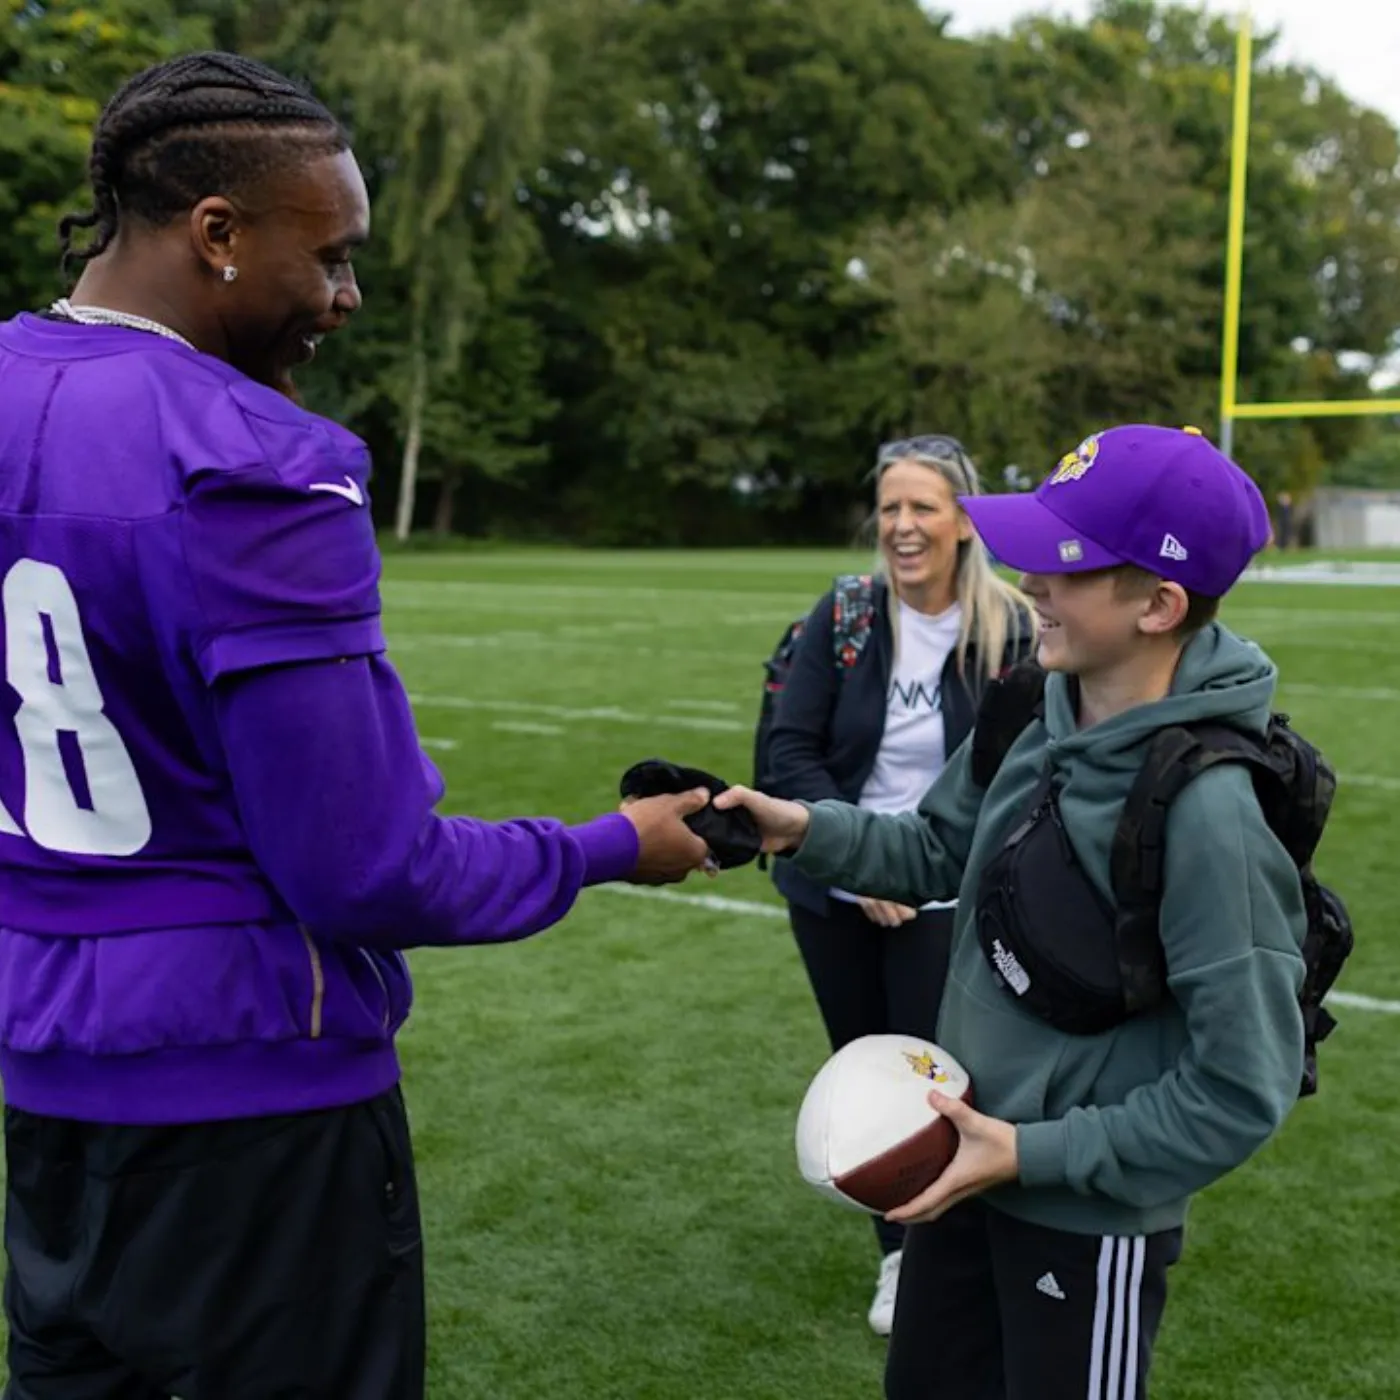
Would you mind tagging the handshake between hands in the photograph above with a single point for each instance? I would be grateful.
(688, 821)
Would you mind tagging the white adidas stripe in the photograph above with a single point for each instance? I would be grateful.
(1096, 1344)
(1130, 1384)
(1113, 1364)
(1113, 1389)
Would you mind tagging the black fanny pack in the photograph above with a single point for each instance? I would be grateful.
(1053, 941)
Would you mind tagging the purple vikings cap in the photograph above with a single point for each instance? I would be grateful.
(1164, 499)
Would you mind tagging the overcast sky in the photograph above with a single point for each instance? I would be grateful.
(1356, 42)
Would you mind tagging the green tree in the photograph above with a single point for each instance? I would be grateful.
(451, 111)
(708, 163)
(650, 271)
(1323, 228)
(60, 60)
(1373, 465)
(1021, 325)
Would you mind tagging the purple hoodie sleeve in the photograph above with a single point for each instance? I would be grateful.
(337, 797)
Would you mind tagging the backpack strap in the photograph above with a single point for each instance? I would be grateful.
(1008, 705)
(1137, 860)
(1295, 787)
(852, 617)
(1174, 758)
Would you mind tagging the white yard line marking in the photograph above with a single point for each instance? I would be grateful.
(1368, 573)
(1372, 780)
(722, 706)
(718, 903)
(517, 596)
(542, 641)
(721, 904)
(522, 726)
(1243, 617)
(775, 619)
(605, 714)
(1361, 1003)
(655, 563)
(565, 631)
(437, 743)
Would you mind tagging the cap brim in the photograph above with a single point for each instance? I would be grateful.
(1024, 535)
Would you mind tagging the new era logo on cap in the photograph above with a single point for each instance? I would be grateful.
(1172, 548)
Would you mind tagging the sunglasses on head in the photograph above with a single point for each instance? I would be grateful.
(933, 447)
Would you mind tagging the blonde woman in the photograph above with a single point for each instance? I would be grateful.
(878, 733)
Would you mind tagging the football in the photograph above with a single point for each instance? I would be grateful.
(867, 1135)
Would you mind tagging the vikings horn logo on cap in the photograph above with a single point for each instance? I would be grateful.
(1074, 464)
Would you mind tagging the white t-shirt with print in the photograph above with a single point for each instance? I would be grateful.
(913, 749)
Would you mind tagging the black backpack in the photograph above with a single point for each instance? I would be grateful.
(1295, 786)
(852, 617)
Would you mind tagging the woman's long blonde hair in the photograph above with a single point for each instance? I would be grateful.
(992, 609)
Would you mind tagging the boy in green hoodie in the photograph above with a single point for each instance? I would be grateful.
(1036, 1268)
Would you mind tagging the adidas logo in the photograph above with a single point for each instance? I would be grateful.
(1049, 1285)
(1172, 548)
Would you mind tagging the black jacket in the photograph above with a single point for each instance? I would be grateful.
(828, 723)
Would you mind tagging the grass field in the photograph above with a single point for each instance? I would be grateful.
(604, 1114)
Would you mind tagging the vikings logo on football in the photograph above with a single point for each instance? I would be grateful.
(927, 1067)
(1074, 464)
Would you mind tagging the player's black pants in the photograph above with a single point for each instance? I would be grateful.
(870, 980)
(991, 1308)
(262, 1259)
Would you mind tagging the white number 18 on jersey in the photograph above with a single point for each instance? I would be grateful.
(111, 818)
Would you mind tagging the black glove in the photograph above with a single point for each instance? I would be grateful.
(733, 836)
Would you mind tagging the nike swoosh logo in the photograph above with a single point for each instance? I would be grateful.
(351, 490)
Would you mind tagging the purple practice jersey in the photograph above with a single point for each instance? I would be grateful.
(216, 824)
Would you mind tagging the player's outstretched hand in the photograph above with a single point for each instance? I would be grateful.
(782, 824)
(670, 850)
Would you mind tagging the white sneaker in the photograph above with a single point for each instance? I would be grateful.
(881, 1315)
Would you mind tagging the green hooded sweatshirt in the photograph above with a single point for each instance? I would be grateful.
(1114, 1131)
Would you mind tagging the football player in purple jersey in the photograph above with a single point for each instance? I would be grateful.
(217, 827)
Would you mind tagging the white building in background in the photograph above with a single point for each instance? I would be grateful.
(1345, 518)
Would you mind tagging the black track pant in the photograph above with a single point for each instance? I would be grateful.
(870, 980)
(261, 1259)
(991, 1308)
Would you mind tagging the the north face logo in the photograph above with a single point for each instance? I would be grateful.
(1172, 548)
(1010, 968)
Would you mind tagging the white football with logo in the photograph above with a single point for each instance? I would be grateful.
(867, 1135)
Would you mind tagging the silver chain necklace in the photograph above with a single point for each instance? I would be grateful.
(102, 316)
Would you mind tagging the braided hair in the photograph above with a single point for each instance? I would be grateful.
(195, 126)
